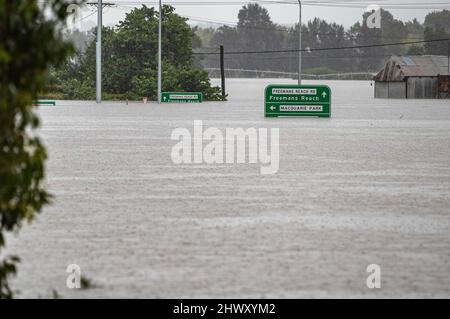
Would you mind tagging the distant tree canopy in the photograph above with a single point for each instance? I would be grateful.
(130, 48)
(129, 57)
(255, 31)
(437, 26)
(392, 30)
(438, 19)
(320, 34)
(29, 43)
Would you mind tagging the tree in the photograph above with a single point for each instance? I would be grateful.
(129, 56)
(392, 30)
(253, 17)
(437, 26)
(439, 19)
(29, 43)
(319, 34)
(205, 35)
(415, 33)
(415, 29)
(438, 47)
(416, 50)
(255, 31)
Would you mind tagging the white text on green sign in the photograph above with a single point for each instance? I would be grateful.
(294, 100)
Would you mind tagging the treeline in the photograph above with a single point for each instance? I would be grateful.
(255, 31)
(129, 60)
(130, 51)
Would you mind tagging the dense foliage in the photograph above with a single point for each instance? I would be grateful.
(29, 44)
(437, 26)
(129, 57)
(255, 31)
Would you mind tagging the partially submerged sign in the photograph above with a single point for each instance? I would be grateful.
(40, 102)
(294, 100)
(182, 97)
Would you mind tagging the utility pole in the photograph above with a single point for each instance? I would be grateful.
(98, 47)
(222, 70)
(300, 43)
(99, 52)
(159, 52)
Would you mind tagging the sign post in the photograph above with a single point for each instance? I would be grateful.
(300, 43)
(182, 97)
(295, 100)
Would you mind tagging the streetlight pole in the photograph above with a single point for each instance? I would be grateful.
(159, 52)
(300, 43)
(98, 46)
(99, 52)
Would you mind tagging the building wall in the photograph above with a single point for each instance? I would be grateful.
(412, 88)
(423, 88)
(390, 90)
(381, 90)
(397, 90)
(444, 86)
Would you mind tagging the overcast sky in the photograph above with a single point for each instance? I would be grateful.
(344, 12)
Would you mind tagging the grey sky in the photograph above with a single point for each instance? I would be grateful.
(344, 12)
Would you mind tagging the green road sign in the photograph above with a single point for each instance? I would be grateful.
(37, 103)
(294, 100)
(182, 97)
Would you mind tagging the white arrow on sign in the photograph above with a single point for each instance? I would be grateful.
(272, 108)
(324, 94)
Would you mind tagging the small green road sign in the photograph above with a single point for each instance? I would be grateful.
(182, 97)
(37, 103)
(294, 100)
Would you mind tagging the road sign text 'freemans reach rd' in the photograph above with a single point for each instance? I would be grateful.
(182, 97)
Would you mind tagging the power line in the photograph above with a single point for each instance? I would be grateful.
(104, 4)
(290, 73)
(294, 2)
(89, 15)
(259, 58)
(279, 28)
(342, 4)
(326, 49)
(285, 29)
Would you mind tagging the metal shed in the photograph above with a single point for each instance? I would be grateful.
(414, 77)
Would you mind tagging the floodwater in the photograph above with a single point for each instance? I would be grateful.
(371, 185)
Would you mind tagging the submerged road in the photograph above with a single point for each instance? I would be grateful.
(371, 185)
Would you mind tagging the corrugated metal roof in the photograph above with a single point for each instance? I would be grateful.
(399, 67)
